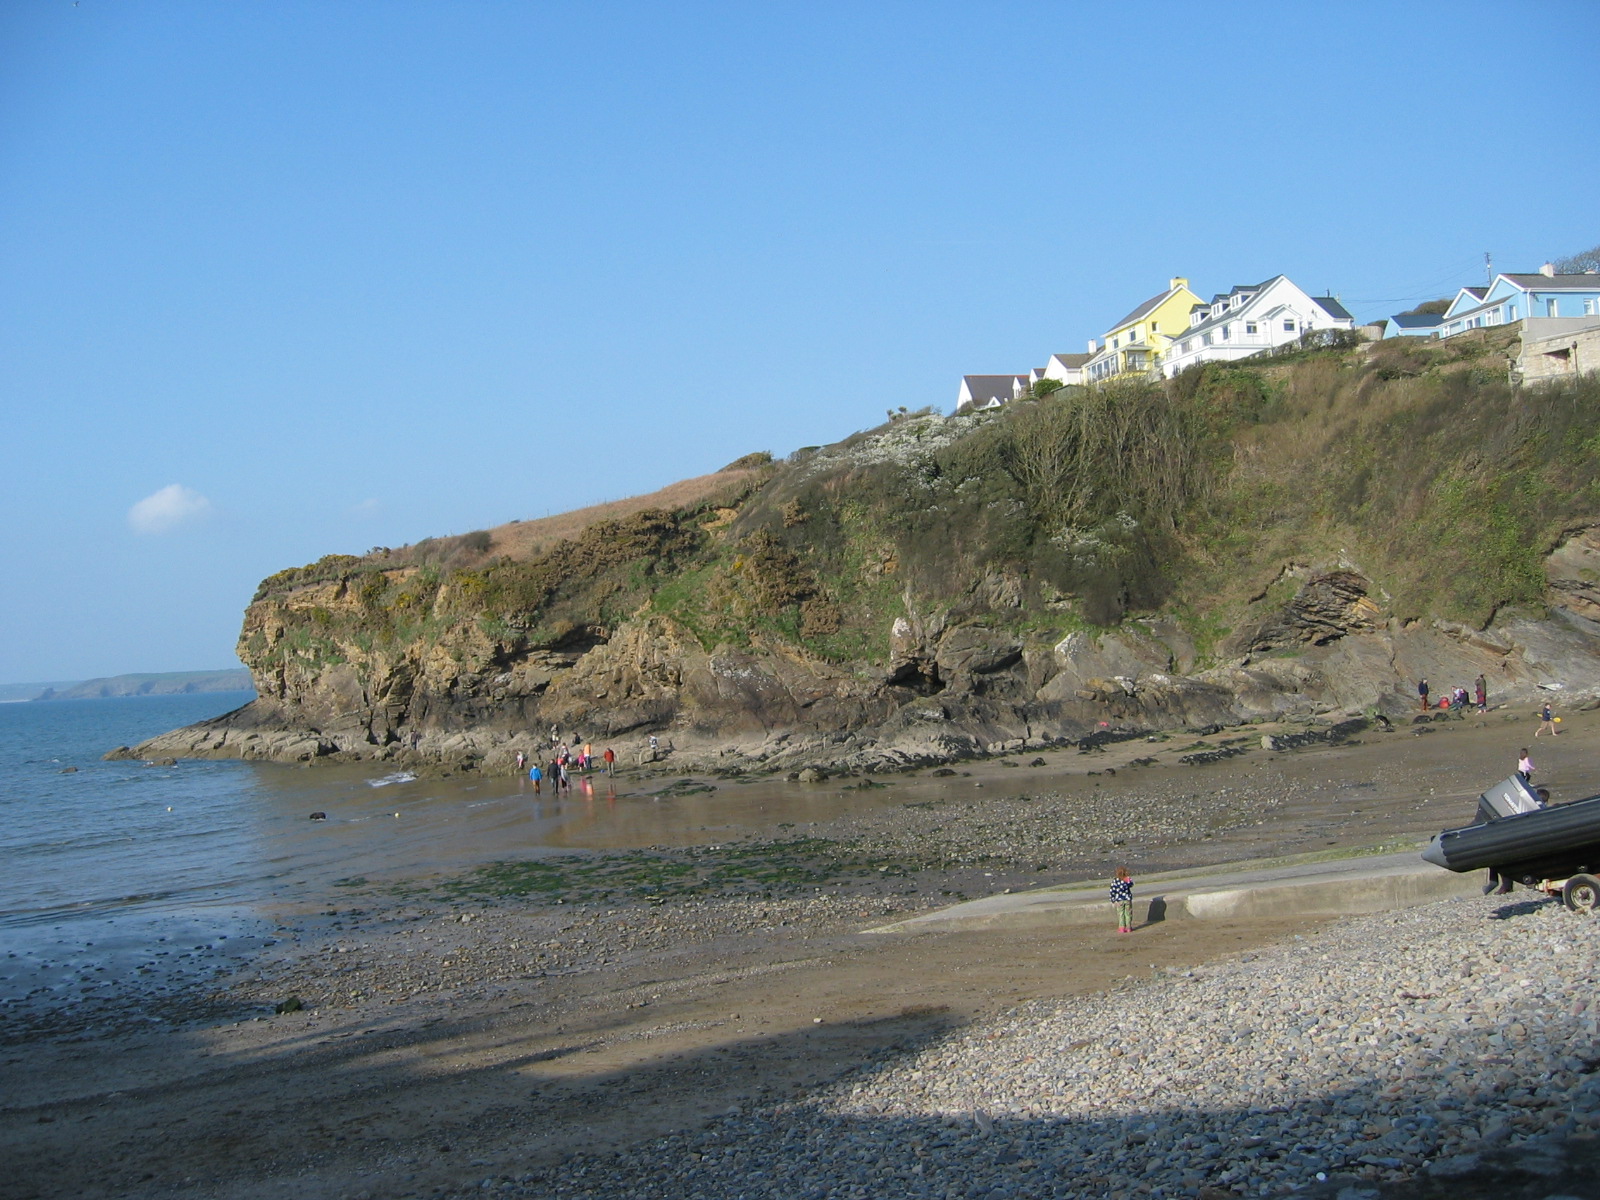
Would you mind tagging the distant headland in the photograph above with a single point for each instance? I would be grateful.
(163, 683)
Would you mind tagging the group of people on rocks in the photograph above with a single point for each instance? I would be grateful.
(1457, 698)
(564, 760)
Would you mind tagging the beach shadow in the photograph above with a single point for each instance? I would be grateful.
(1522, 908)
(247, 1119)
(1157, 911)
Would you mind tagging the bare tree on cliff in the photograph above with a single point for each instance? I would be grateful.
(1577, 264)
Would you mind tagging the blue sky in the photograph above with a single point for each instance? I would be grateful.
(285, 279)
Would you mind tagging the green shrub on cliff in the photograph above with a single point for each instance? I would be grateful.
(1420, 464)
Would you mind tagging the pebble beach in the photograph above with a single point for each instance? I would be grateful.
(1374, 1050)
(714, 1017)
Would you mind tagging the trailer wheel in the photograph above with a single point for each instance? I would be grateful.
(1581, 893)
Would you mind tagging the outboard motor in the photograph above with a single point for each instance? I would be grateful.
(1508, 798)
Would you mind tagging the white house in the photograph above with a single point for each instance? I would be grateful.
(1250, 319)
(1066, 368)
(989, 391)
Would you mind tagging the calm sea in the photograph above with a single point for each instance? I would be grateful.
(119, 874)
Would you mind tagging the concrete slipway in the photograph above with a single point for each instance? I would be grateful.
(1310, 885)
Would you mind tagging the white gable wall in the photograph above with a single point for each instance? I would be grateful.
(1058, 370)
(1274, 316)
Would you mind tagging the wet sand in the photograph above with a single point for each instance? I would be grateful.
(435, 1051)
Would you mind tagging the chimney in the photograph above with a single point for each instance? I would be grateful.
(1092, 346)
(1548, 270)
(1178, 281)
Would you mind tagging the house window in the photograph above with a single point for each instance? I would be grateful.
(1589, 307)
(1227, 332)
(1551, 308)
(1249, 326)
(1187, 344)
(1206, 338)
(1511, 312)
(1288, 325)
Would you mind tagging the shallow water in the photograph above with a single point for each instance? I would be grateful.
(120, 870)
(122, 837)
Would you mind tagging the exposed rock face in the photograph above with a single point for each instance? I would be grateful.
(1573, 570)
(1330, 605)
(950, 690)
(906, 597)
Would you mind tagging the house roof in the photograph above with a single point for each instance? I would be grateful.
(1546, 283)
(1459, 306)
(1244, 287)
(986, 387)
(1418, 320)
(1071, 360)
(1327, 303)
(1143, 310)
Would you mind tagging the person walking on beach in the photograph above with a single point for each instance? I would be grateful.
(1547, 720)
(1122, 897)
(588, 756)
(1525, 767)
(535, 774)
(1482, 686)
(1422, 693)
(611, 760)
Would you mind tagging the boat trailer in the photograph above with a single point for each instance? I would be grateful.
(1519, 837)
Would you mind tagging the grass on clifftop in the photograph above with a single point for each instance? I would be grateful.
(1420, 465)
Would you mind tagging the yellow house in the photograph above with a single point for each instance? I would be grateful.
(1132, 347)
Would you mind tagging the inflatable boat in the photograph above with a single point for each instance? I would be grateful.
(1517, 836)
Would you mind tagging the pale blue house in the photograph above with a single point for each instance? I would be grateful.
(1518, 297)
(1413, 325)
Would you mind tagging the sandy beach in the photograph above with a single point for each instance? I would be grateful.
(488, 1026)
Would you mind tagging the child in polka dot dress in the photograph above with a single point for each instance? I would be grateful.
(1122, 897)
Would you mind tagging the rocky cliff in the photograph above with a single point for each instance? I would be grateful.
(1295, 536)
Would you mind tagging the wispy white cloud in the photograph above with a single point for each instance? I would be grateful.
(172, 506)
(367, 508)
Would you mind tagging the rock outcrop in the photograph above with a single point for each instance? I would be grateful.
(949, 691)
(1123, 560)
